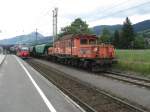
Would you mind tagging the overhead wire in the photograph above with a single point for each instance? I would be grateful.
(47, 12)
(113, 7)
(124, 10)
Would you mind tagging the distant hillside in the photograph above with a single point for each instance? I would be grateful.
(145, 33)
(98, 29)
(29, 38)
(47, 39)
(141, 26)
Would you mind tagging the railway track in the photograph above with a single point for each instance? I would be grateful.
(76, 99)
(142, 82)
(87, 96)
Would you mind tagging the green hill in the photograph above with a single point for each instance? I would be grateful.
(138, 27)
(142, 28)
(145, 33)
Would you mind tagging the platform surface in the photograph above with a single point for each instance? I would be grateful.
(2, 56)
(22, 89)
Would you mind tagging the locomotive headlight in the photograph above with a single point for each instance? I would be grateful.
(95, 49)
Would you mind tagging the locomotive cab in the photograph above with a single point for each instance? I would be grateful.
(86, 44)
(90, 49)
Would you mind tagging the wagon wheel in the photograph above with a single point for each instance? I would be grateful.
(97, 68)
(45, 53)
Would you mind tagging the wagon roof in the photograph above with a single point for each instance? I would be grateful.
(69, 36)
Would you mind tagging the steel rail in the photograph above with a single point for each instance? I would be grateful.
(137, 108)
(81, 103)
(142, 82)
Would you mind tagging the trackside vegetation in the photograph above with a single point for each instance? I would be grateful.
(134, 60)
(125, 38)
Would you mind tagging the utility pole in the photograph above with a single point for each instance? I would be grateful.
(55, 14)
(21, 42)
(53, 28)
(36, 36)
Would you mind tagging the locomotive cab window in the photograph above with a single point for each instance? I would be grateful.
(24, 49)
(72, 43)
(83, 41)
(92, 41)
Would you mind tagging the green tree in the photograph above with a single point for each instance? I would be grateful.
(77, 27)
(147, 44)
(116, 39)
(127, 37)
(139, 42)
(106, 36)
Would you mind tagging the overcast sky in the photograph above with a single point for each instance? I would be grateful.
(24, 16)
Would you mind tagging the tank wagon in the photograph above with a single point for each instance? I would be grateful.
(40, 50)
(82, 51)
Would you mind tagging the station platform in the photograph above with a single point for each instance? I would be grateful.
(23, 89)
(2, 56)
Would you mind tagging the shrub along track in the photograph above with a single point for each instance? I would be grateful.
(87, 96)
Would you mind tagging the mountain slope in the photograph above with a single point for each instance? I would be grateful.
(22, 39)
(98, 29)
(141, 26)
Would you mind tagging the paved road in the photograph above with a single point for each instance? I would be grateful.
(133, 93)
(22, 89)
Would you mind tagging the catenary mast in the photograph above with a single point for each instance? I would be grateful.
(55, 13)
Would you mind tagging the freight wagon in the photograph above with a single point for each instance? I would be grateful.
(78, 50)
(40, 50)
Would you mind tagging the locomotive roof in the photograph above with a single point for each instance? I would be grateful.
(70, 36)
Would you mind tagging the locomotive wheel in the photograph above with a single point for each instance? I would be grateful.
(76, 63)
(96, 68)
(46, 54)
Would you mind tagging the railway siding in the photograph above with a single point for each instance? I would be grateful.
(127, 91)
(97, 99)
(142, 82)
